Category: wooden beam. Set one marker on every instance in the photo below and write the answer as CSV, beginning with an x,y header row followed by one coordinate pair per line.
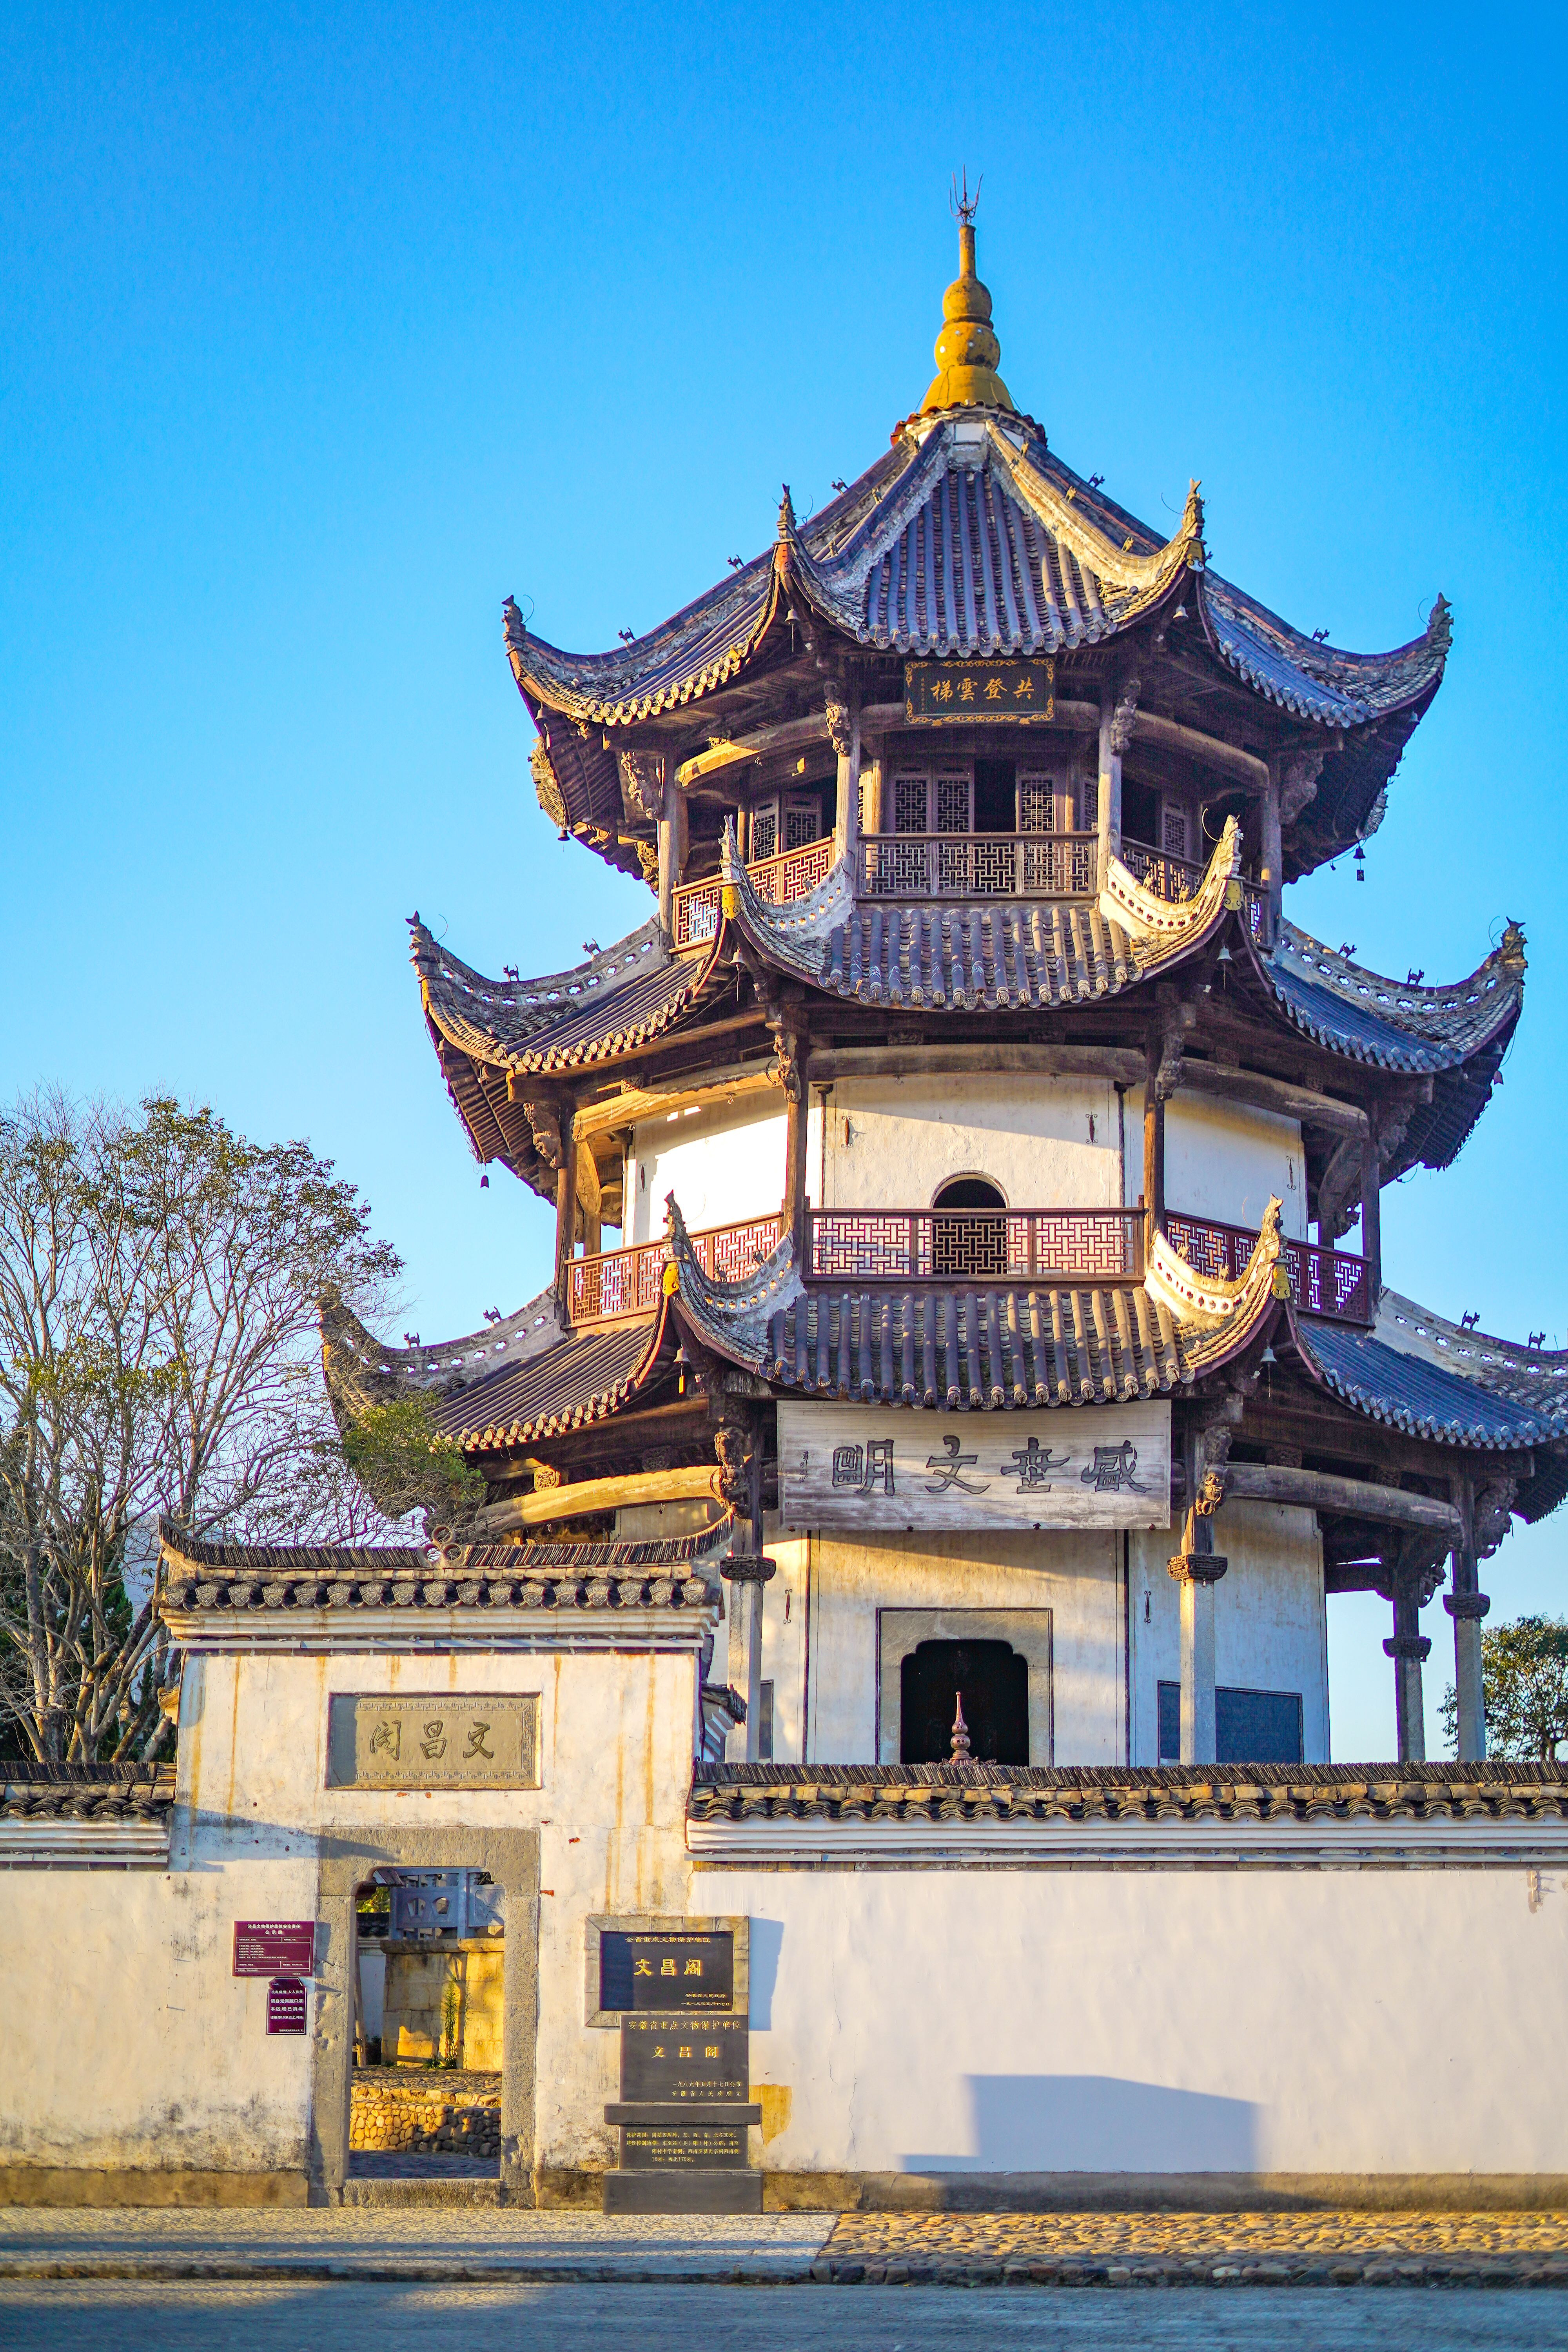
x,y
1315,1490
634,1104
1251,1087
565,1211
595,1494
1243,767
1115,1063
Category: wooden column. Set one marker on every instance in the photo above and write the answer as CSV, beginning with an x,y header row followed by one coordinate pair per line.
x,y
846,827
566,1209
1197,1568
1153,1153
1466,1605
745,1575
671,849
1109,814
1271,871
793,1045
1408,1648
1372,1210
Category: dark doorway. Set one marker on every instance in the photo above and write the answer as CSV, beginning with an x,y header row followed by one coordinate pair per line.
x,y
995,1683
969,1242
995,797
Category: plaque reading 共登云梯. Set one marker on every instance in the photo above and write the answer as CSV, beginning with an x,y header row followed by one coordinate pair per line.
x,y
697,2058
644,1967
436,1740
956,693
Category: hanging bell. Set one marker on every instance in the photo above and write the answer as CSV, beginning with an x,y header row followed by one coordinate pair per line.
x,y
1268,1357
1360,862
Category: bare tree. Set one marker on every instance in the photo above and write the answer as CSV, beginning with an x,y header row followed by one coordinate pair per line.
x,y
159,1286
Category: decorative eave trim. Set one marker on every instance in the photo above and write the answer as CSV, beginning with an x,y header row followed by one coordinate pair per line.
x,y
1164,931
496,1436
85,1845
1211,1303
371,1631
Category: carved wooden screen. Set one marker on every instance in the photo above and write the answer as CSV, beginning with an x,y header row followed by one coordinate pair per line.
x,y
764,840
801,820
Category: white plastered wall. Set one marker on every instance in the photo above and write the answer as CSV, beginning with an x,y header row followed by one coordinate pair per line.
x,y
1047,1142
1156,2021
154,2056
1077,1577
723,1165
1224,1161
1270,1624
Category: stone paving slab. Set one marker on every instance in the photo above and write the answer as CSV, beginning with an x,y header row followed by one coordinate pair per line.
x,y
421,2243
1167,2248
67,2316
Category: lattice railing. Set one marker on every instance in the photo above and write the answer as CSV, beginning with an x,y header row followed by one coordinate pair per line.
x,y
1323,1281
1169,877
779,880
976,1244
627,1281
977,864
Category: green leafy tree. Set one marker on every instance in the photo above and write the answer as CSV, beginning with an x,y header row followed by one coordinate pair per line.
x,y
1524,1684
159,1354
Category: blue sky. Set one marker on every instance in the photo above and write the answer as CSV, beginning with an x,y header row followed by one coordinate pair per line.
x,y
322,331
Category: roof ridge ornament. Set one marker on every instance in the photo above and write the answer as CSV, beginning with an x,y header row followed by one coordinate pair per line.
x,y
966,351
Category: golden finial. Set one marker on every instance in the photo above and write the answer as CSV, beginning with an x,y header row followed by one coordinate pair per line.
x,y
967,349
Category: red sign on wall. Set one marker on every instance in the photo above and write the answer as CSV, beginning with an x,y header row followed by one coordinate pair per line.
x,y
286,2006
274,1947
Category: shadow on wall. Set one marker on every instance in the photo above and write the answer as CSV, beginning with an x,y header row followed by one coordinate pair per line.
x,y
1098,2123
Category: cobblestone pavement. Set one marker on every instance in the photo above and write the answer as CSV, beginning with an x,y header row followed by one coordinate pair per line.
x,y
1338,2248
415,2242
115,2317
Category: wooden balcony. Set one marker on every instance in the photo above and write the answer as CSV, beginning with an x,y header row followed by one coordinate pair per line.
x,y
1049,1245
977,865
1328,1282
1056,1248
779,880
616,1283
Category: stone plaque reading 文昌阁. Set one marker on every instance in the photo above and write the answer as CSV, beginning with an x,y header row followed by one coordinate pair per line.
x,y
655,2146
685,2058
448,1739
950,694
862,1468
666,1969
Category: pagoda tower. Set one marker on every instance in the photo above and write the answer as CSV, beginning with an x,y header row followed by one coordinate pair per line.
x,y
950,1176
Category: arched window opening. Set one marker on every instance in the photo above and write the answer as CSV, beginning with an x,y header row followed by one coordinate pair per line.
x,y
993,1680
969,1230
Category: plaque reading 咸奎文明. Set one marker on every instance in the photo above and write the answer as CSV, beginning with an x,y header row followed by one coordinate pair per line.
x,y
695,2059
437,1739
954,693
865,1468
659,1968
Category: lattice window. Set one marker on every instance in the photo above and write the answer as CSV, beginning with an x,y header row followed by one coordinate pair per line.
x,y
969,1242
802,820
897,869
1083,864
1088,805
953,804
1036,804
1173,829
992,868
910,793
764,830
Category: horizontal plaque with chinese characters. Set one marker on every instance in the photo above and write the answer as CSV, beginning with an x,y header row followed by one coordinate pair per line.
x,y
952,693
274,1947
652,2146
700,2059
445,1739
653,1968
879,1472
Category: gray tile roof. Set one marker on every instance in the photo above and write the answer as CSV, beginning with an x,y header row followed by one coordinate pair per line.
x,y
1420,1373
1088,1794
